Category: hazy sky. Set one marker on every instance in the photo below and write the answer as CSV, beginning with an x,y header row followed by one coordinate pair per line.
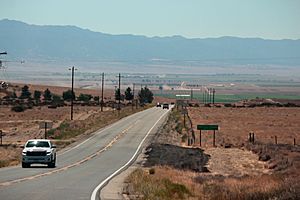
x,y
272,19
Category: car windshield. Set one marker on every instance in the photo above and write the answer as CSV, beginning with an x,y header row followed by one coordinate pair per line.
x,y
37,144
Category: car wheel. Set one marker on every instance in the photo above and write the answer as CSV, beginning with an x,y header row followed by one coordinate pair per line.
x,y
25,165
52,164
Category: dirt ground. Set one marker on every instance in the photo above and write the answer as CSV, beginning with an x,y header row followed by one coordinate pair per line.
x,y
234,162
168,149
108,93
19,127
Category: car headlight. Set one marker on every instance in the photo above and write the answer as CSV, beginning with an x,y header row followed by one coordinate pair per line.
x,y
23,153
49,152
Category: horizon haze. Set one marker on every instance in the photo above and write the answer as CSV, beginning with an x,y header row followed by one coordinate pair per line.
x,y
268,19
70,43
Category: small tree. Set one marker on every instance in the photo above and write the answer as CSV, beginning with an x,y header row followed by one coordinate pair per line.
x,y
118,94
13,95
25,94
145,95
97,98
47,95
128,94
56,98
18,108
85,97
56,101
37,95
67,95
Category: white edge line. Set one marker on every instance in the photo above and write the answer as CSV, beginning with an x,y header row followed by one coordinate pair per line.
x,y
97,133
95,191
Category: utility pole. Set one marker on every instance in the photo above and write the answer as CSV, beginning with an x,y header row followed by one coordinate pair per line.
x,y
214,91
207,99
202,94
209,95
119,106
132,95
102,88
206,95
73,96
72,99
133,84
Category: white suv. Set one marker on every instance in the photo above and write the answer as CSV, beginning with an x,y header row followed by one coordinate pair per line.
x,y
39,151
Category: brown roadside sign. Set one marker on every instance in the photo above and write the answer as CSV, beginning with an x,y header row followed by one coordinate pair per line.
x,y
184,112
47,125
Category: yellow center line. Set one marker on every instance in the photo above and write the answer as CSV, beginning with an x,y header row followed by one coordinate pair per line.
x,y
110,144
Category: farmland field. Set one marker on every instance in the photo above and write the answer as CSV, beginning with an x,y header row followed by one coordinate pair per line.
x,y
230,98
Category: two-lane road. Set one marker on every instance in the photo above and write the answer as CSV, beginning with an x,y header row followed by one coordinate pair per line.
x,y
84,168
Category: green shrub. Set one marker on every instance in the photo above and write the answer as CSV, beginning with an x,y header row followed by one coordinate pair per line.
x,y
18,108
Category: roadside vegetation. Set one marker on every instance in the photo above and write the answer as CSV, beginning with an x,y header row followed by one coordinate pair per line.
x,y
171,169
150,186
10,155
70,129
169,183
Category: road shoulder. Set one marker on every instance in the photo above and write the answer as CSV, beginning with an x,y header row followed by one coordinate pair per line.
x,y
113,190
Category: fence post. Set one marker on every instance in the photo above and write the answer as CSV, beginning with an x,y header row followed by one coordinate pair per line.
x,y
1,137
214,139
200,138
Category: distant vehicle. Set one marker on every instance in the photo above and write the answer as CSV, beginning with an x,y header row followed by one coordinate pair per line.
x,y
3,85
165,106
158,104
39,151
172,103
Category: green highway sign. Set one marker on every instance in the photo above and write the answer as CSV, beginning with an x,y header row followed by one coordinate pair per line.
x,y
207,127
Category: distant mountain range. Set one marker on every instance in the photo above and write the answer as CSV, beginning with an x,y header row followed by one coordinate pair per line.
x,y
67,43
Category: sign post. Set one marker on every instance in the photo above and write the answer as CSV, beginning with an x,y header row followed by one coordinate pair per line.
x,y
45,125
208,127
184,112
200,137
214,138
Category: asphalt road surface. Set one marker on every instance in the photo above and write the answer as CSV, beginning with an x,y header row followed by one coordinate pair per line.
x,y
82,169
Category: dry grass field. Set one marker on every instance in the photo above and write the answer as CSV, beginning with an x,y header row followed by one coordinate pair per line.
x,y
239,171
21,126
236,123
168,183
